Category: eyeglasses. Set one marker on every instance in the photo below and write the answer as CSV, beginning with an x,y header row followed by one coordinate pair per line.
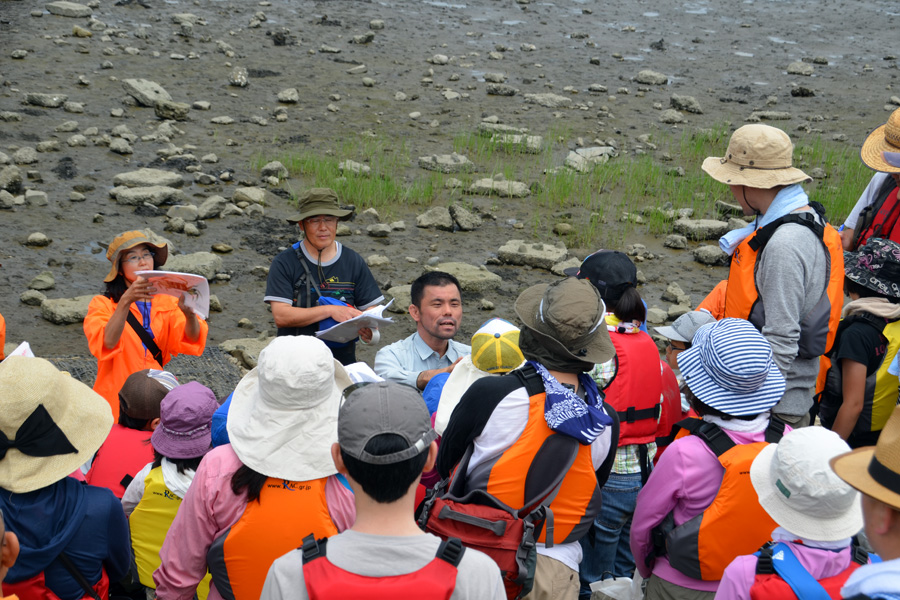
x,y
669,346
133,260
316,221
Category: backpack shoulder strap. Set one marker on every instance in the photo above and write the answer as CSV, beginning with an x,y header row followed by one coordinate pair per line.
x,y
530,379
764,560
716,439
312,548
803,584
451,551
775,430
805,218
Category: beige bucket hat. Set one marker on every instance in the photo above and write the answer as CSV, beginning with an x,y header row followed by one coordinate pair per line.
x,y
758,156
130,239
875,470
283,416
50,424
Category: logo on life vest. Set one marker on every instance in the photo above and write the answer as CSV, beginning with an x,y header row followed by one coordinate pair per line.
x,y
292,486
737,255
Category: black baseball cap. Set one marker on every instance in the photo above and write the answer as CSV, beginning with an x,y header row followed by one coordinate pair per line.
x,y
611,272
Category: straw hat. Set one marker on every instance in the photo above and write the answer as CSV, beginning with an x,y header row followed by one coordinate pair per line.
x,y
320,201
50,424
283,416
800,492
875,470
884,139
730,367
568,318
758,156
130,239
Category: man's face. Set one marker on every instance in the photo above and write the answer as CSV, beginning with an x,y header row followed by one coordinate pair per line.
x,y
439,312
739,192
320,230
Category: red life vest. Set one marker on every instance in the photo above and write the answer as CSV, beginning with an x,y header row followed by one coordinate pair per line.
x,y
434,581
879,219
124,453
671,410
636,389
769,585
240,558
35,588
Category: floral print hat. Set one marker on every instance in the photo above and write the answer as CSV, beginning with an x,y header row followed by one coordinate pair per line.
x,y
876,266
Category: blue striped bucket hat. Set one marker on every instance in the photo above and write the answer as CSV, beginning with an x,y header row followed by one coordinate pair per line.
x,y
730,367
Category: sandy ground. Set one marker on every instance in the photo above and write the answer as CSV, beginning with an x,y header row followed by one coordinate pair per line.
x,y
731,56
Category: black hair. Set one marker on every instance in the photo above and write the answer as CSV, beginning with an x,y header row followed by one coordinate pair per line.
x,y
131,422
862,291
385,483
704,409
183,464
629,306
431,278
115,288
246,478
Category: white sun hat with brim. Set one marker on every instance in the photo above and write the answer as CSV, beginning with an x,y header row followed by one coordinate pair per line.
x,y
758,156
50,424
283,416
801,492
730,367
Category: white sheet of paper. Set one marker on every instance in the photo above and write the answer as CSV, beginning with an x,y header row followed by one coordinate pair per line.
x,y
194,288
349,329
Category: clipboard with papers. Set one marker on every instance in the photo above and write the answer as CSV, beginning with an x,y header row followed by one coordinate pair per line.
x,y
349,330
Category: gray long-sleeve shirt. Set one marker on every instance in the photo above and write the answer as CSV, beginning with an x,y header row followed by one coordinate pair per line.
x,y
791,276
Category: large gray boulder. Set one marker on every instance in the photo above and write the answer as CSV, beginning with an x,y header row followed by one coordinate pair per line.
x,y
155,195
146,92
205,264
11,179
437,217
246,350
402,296
68,9
253,195
502,188
212,207
471,278
446,163
149,177
585,159
710,255
548,100
701,229
465,219
544,256
45,100
65,311
648,77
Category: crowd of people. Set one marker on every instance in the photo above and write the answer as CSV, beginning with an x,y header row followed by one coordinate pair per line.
x,y
759,458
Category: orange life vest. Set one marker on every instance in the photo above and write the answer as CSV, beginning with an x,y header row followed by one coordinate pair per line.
x,y
636,389
275,524
533,464
735,523
742,301
124,453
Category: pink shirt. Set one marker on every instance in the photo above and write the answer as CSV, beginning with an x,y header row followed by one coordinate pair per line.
x,y
684,482
741,573
209,508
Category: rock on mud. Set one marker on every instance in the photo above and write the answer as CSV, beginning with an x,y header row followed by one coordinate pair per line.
x,y
147,178
544,256
504,189
686,103
648,77
65,311
464,218
529,144
68,9
438,217
205,264
585,159
471,278
548,100
710,255
154,194
146,92
446,163
701,229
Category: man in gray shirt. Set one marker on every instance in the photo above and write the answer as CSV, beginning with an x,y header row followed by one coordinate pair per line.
x,y
787,267
385,443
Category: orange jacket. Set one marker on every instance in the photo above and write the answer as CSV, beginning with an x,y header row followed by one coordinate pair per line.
x,y
114,365
715,300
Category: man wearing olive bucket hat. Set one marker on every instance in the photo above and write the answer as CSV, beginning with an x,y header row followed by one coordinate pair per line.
x,y
877,210
514,431
318,282
875,471
787,267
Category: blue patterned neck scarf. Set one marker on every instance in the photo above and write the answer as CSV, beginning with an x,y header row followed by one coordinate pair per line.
x,y
145,308
568,414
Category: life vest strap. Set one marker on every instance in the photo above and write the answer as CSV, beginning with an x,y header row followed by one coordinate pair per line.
x,y
531,379
716,439
775,430
313,548
632,414
451,551
805,218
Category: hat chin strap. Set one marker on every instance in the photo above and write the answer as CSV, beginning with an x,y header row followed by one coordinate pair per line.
x,y
747,202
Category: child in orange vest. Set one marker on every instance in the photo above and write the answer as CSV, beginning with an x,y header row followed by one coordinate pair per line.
x,y
183,437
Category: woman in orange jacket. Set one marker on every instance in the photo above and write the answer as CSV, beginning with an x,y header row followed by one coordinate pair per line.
x,y
128,309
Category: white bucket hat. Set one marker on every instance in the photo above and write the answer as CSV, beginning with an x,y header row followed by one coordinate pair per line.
x,y
283,416
799,490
